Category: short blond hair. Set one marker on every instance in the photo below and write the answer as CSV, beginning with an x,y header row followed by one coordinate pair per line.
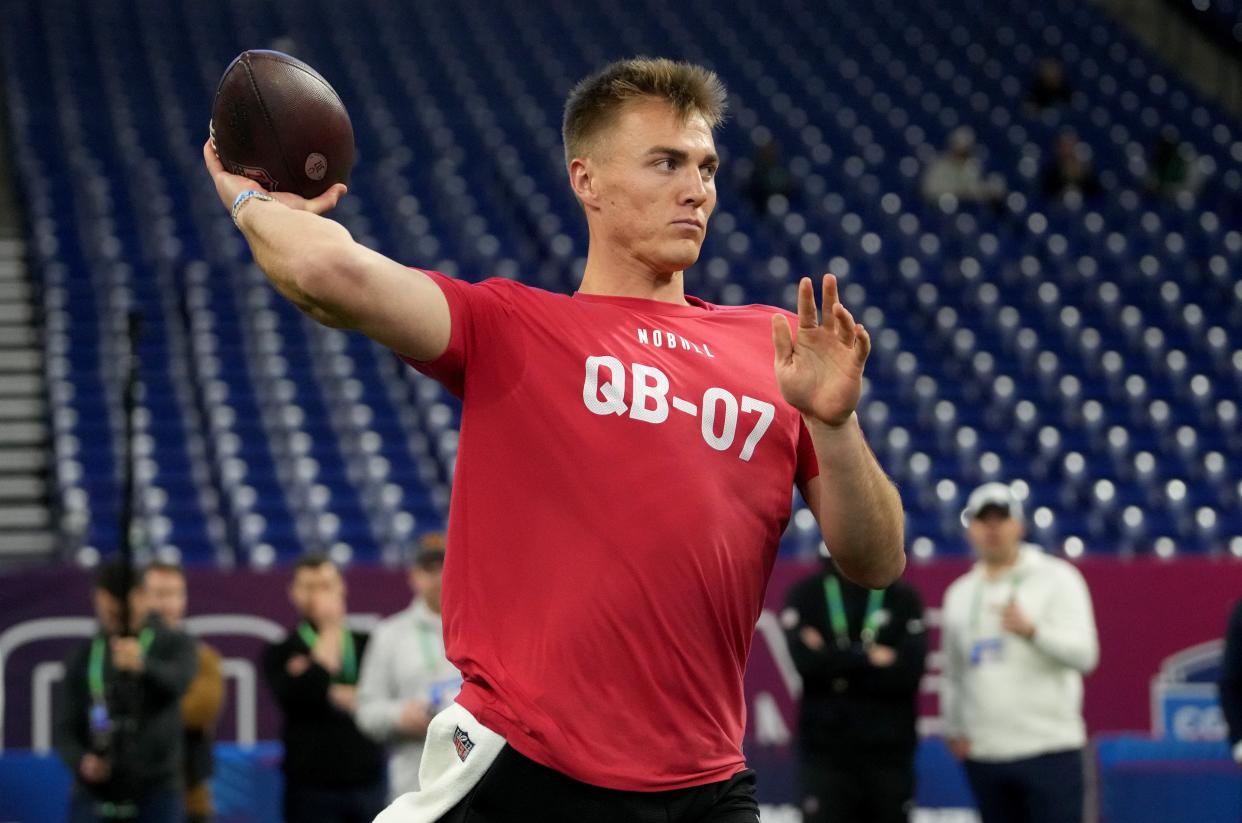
x,y
596,100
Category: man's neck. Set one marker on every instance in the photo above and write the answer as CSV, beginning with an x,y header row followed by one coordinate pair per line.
x,y
620,275
995,568
420,603
135,626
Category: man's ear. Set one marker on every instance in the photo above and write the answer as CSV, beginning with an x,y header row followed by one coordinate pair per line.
x,y
583,181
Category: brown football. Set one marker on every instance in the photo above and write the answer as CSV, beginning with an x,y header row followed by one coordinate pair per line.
x,y
278,122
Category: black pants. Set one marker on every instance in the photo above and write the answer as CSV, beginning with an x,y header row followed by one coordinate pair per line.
x,y
516,789
1043,789
857,791
313,804
158,806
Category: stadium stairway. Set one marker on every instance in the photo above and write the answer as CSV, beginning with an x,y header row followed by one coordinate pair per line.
x,y
26,524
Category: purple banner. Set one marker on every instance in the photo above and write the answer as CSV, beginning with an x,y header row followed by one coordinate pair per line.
x,y
44,613
1148,612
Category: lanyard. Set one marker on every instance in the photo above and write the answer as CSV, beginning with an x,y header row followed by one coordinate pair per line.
x,y
95,667
836,613
430,655
976,605
349,658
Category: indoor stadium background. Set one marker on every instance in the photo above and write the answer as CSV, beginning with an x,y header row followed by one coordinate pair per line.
x,y
1087,347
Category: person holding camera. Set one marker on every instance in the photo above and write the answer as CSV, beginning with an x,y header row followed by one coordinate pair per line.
x,y
118,716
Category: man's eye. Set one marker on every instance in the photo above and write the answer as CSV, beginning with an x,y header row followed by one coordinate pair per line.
x,y
666,164
709,171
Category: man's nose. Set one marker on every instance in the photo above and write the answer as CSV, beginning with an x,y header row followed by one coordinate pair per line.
x,y
696,190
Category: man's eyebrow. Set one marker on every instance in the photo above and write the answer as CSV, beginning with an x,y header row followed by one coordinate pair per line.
x,y
680,155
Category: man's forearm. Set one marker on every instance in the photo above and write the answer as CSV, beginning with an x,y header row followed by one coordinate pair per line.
x,y
296,250
859,509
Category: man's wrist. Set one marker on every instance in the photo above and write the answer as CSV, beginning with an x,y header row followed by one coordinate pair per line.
x,y
817,426
245,198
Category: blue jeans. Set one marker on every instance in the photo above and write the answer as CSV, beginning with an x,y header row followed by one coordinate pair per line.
x,y
159,806
1043,789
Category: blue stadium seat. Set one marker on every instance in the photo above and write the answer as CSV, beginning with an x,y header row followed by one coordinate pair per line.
x,y
1089,346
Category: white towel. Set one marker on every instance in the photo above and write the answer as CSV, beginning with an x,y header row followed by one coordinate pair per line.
x,y
457,753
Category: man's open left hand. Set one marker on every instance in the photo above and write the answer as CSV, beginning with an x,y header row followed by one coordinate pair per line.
x,y
820,371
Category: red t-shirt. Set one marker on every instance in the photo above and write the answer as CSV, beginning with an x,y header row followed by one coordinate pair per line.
x,y
624,476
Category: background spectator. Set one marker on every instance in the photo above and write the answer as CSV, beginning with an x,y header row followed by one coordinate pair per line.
x,y
861,654
1070,168
164,587
1049,89
1173,167
405,677
333,772
1018,634
957,172
769,176
118,726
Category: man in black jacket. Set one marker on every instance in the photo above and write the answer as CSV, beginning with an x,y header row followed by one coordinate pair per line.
x,y
333,772
861,654
1231,681
118,717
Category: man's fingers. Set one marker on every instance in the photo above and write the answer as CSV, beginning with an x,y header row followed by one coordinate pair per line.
x,y
319,205
831,320
863,347
845,324
830,293
328,200
807,318
782,338
209,156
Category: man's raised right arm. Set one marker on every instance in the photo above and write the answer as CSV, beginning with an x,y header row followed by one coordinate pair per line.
x,y
315,264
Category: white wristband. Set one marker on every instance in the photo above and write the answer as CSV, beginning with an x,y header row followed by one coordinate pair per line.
x,y
1237,752
245,197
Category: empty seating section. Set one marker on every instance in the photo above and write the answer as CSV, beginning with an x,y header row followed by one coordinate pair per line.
x,y
1219,20
1090,347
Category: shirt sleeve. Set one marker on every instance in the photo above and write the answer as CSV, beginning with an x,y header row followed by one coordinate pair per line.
x,y
1066,633
952,670
303,694
169,668
808,463
70,732
476,312
377,710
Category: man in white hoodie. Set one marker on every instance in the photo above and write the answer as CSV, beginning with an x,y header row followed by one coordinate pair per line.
x,y
1018,635
406,677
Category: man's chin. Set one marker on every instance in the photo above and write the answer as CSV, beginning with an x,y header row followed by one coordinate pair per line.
x,y
680,259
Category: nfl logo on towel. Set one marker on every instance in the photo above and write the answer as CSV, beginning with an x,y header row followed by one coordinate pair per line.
x,y
463,743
